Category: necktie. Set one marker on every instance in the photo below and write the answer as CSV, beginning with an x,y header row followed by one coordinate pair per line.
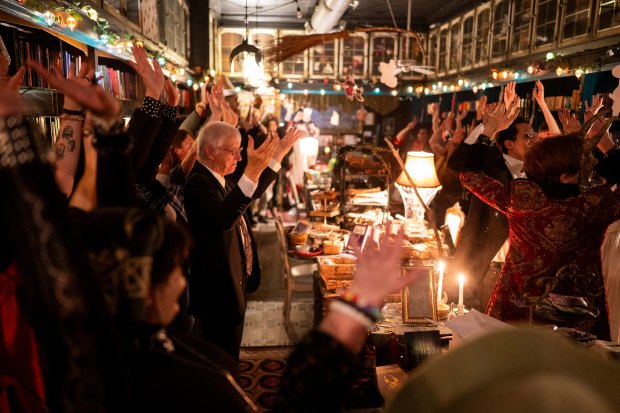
x,y
246,240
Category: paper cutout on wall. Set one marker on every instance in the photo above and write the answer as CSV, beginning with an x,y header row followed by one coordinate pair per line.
x,y
335,119
388,71
615,95
351,90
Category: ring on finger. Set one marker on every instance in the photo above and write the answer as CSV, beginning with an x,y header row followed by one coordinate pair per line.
x,y
87,132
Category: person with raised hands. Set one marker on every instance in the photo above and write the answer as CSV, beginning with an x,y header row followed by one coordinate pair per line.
x,y
224,261
553,225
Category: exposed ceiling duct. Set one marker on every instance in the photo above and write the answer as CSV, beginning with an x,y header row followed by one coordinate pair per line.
x,y
327,15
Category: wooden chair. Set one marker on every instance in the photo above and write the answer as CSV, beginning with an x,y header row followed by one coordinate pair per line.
x,y
298,278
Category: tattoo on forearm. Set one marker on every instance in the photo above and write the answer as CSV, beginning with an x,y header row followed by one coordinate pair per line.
x,y
60,151
67,134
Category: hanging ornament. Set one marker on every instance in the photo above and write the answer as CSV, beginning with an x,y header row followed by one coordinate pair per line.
x,y
351,90
71,23
244,46
104,39
49,18
388,73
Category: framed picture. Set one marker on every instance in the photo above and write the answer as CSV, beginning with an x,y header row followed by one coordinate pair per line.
x,y
418,298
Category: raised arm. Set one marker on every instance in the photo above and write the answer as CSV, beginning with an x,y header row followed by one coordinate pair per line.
x,y
539,95
69,141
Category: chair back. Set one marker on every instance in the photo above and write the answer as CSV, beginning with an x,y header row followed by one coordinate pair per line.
x,y
283,244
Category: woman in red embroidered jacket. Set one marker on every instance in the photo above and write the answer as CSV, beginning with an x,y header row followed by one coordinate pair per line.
x,y
553,223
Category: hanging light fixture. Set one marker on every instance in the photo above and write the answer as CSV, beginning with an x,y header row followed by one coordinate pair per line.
x,y
299,15
244,46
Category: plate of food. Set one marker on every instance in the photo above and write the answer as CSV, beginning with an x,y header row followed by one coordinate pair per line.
x,y
306,251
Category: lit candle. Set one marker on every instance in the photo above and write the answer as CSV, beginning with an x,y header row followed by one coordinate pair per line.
x,y
461,282
440,282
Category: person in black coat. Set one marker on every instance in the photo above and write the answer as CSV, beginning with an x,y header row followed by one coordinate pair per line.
x,y
224,261
485,229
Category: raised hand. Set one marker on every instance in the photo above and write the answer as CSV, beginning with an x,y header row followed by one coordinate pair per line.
x,y
496,117
89,96
229,115
591,110
152,77
509,92
480,105
538,93
286,143
378,271
10,101
84,77
569,121
258,158
171,92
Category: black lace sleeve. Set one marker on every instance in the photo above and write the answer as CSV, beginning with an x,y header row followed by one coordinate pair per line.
x,y
319,374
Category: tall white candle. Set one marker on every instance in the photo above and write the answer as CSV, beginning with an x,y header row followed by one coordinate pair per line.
x,y
440,282
461,282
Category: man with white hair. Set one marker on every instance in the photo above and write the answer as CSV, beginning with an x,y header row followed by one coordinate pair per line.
x,y
224,262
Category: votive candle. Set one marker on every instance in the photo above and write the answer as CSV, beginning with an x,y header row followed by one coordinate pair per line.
x,y
461,283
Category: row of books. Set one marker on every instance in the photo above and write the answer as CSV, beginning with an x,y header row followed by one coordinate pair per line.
x,y
123,85
45,55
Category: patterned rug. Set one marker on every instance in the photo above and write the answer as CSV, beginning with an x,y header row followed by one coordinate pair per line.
x,y
264,323
260,377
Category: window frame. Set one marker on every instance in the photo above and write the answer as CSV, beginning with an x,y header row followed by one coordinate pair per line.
x,y
401,53
280,70
364,73
513,27
336,62
503,57
459,42
444,27
604,32
553,43
578,39
484,60
471,14
223,31
270,32
431,50
371,48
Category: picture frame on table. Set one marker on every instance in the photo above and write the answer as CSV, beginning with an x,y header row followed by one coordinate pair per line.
x,y
358,237
419,304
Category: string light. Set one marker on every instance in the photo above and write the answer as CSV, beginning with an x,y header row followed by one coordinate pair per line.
x,y
530,69
71,23
578,73
299,15
290,85
305,92
505,74
49,18
409,89
461,82
559,71
550,56
394,93
494,75
195,87
337,87
322,92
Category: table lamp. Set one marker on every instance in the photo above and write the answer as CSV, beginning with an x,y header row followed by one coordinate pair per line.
x,y
421,168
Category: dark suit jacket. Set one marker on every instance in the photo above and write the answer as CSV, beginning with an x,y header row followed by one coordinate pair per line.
x,y
485,229
217,279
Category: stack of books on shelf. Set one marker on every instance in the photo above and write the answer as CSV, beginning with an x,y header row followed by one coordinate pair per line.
x,y
47,55
123,85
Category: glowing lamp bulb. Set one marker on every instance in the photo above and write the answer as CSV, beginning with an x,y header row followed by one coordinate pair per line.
x,y
49,18
71,23
578,73
530,69
550,56
409,89
195,87
559,71
322,92
504,74
494,75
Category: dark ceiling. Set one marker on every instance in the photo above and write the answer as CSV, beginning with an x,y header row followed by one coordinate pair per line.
x,y
282,13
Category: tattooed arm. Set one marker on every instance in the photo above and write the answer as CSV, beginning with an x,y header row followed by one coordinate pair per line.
x,y
69,141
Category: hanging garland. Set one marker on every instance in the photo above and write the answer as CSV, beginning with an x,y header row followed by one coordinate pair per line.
x,y
285,47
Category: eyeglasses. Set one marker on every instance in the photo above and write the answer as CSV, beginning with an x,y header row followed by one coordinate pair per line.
x,y
233,152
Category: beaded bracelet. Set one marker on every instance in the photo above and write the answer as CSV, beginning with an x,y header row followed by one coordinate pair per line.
x,y
354,313
353,300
